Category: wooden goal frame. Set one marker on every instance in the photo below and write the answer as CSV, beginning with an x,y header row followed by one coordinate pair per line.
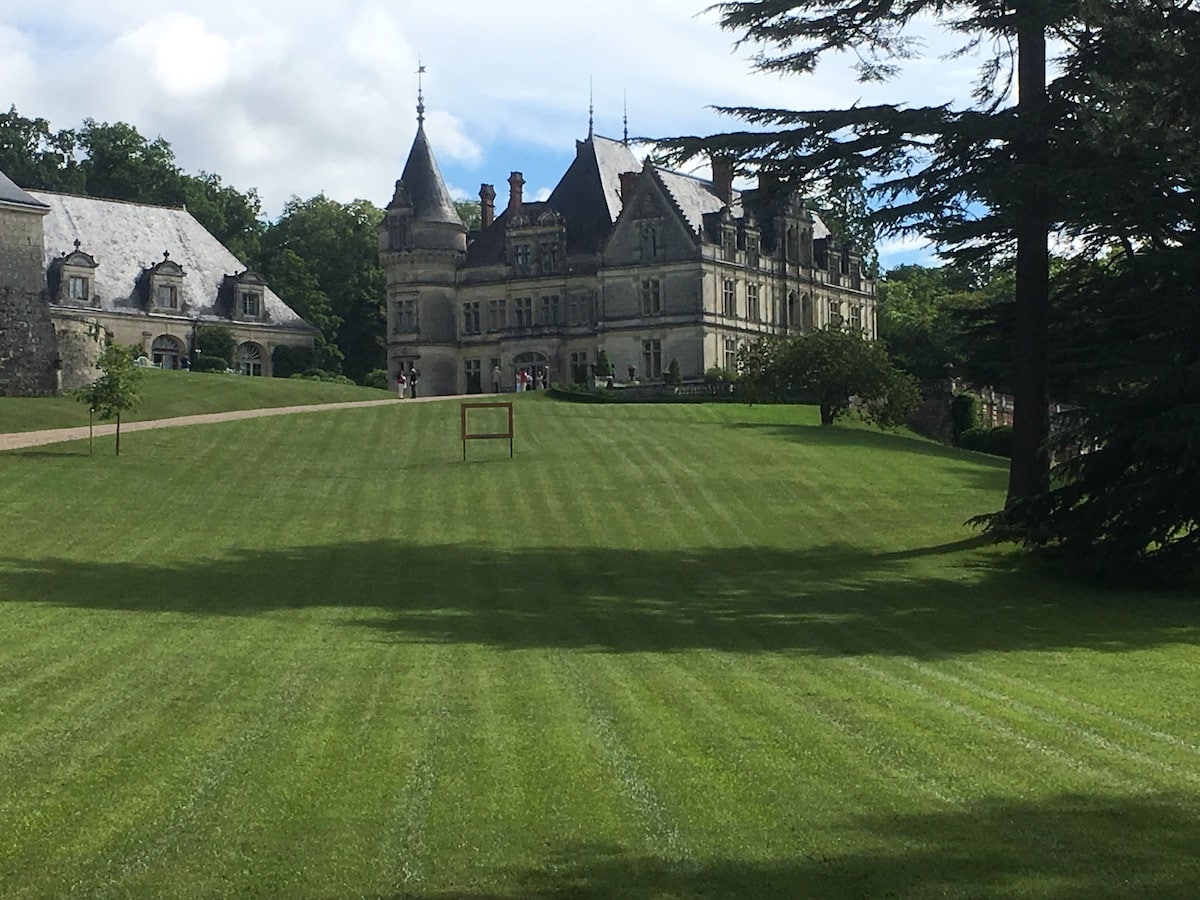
x,y
468,435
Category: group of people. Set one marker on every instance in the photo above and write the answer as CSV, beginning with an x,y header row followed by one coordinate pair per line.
x,y
406,382
539,380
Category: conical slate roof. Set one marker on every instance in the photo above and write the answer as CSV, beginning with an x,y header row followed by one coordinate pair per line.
x,y
423,183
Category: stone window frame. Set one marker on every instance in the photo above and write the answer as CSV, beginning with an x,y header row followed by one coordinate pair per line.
x,y
650,297
729,298
471,317
730,354
406,315
522,312
522,259
165,277
497,315
652,357
649,246
753,304
250,303
79,287
78,268
834,312
551,309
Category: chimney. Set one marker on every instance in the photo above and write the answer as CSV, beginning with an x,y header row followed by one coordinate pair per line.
x,y
515,183
722,178
628,183
487,205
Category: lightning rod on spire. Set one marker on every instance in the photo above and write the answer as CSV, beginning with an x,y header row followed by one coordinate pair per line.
x,y
420,93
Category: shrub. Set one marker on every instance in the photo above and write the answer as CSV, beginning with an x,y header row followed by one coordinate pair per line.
x,y
376,378
966,412
216,341
673,374
205,363
287,361
322,375
996,441
604,367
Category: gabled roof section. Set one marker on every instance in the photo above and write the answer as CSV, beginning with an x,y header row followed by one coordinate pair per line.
x,y
695,197
588,195
10,193
125,239
423,185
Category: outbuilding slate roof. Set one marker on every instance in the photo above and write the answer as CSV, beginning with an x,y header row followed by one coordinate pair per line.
x,y
127,238
10,193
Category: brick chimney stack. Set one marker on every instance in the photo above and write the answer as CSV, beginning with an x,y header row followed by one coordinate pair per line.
x,y
722,178
516,182
628,183
487,205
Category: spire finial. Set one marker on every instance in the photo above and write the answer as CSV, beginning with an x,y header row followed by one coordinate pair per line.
x,y
420,93
591,108
625,115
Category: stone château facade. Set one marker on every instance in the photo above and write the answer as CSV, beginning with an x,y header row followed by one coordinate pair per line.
x,y
148,276
643,263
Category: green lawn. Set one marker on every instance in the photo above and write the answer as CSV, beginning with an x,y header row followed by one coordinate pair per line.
x,y
169,394
665,652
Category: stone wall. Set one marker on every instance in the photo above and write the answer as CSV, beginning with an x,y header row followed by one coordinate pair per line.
x,y
21,263
80,342
28,345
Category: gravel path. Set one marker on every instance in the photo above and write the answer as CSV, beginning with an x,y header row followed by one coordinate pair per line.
x,y
56,435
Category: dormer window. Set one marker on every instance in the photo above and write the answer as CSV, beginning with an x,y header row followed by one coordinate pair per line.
x,y
521,259
72,278
548,258
77,287
245,297
251,304
165,285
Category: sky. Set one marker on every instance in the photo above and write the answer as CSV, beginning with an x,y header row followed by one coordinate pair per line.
x,y
299,98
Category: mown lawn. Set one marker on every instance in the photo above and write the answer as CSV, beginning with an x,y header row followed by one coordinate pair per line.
x,y
665,652
169,394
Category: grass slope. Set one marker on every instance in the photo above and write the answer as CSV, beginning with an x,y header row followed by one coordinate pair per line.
x,y
169,394
702,651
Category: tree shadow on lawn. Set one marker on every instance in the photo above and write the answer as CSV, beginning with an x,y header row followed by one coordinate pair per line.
x,y
989,470
1065,848
925,602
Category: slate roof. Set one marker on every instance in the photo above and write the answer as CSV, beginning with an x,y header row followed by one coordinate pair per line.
x,y
126,238
10,193
422,179
695,197
588,195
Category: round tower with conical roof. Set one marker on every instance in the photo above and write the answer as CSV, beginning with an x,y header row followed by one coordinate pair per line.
x,y
422,243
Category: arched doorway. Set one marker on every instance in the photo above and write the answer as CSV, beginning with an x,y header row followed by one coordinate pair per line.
x,y
532,362
250,359
166,351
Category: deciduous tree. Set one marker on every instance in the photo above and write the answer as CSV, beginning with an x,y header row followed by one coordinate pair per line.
x,y
118,388
836,368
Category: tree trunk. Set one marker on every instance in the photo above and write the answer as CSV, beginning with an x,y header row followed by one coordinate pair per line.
x,y
1029,472
118,434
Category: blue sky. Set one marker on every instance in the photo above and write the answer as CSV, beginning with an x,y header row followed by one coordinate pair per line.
x,y
300,98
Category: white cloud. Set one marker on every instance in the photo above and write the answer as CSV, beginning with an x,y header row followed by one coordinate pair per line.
x,y
311,97
179,53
